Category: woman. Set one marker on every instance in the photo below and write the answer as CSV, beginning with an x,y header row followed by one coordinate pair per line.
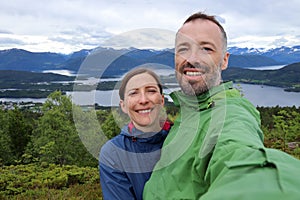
x,y
127,160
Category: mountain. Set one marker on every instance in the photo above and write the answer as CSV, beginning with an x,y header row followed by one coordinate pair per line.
x,y
283,55
249,61
18,59
115,62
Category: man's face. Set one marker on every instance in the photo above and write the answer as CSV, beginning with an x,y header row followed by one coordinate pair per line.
x,y
199,56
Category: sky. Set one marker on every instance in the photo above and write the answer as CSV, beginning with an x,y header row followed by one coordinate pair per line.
x,y
66,26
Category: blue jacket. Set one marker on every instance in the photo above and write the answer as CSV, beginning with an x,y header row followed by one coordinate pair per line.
x,y
126,162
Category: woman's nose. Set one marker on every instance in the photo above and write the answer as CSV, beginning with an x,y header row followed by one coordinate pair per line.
x,y
143,98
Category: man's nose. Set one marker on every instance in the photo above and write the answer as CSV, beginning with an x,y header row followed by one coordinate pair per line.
x,y
194,57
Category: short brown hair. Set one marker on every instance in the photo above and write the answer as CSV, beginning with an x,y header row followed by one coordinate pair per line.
x,y
212,18
133,73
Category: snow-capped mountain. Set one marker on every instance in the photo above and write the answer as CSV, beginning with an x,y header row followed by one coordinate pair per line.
x,y
18,59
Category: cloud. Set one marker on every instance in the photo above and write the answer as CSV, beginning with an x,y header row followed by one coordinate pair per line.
x,y
90,22
2,31
5,41
142,38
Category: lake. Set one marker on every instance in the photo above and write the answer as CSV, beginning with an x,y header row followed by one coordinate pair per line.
x,y
258,95
267,96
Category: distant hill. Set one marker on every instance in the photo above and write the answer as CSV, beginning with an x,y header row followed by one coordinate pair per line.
x,y
287,77
30,77
248,61
18,59
125,59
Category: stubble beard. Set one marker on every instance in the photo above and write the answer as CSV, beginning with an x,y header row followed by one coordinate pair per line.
x,y
208,80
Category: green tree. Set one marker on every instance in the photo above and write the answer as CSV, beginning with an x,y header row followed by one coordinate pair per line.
x,y
6,154
19,131
55,140
286,132
110,127
89,129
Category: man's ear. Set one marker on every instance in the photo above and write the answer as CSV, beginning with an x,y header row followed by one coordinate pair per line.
x,y
163,100
225,61
123,107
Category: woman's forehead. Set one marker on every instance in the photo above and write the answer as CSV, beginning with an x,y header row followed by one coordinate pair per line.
x,y
141,80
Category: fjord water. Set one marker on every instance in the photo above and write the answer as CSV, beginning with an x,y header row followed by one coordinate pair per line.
x,y
268,96
259,95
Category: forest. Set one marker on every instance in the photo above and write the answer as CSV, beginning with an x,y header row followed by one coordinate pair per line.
x,y
50,152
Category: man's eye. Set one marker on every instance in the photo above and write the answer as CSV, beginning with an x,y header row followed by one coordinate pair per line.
x,y
152,91
207,49
182,49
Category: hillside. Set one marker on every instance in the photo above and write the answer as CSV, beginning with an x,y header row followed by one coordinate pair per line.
x,y
16,84
287,77
9,76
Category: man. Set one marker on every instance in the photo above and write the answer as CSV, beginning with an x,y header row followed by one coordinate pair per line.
x,y
215,148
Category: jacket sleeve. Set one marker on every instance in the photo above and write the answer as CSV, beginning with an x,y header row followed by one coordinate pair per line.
x,y
114,183
242,168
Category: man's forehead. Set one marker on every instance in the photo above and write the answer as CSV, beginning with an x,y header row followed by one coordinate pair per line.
x,y
197,31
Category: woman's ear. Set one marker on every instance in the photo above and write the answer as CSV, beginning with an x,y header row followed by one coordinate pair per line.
x,y
123,106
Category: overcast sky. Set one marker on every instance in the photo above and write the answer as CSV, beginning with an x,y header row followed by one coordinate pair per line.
x,y
66,26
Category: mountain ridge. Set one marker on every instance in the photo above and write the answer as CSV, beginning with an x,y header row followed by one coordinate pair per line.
x,y
22,60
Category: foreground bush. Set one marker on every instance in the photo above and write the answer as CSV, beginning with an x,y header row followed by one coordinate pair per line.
x,y
49,182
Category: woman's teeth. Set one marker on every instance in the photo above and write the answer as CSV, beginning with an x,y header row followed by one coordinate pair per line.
x,y
144,111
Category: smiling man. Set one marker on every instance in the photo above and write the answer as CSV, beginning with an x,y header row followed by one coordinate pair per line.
x,y
215,148
200,55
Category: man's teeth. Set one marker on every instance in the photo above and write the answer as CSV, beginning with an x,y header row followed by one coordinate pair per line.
x,y
193,73
145,111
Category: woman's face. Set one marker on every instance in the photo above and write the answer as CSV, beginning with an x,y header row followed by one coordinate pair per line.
x,y
143,102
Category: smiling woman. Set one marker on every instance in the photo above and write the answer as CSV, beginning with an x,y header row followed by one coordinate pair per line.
x,y
126,161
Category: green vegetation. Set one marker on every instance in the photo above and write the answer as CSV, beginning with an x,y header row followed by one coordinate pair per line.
x,y
281,126
286,77
49,181
44,152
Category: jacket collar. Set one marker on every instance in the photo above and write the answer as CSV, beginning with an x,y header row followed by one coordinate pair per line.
x,y
202,101
130,131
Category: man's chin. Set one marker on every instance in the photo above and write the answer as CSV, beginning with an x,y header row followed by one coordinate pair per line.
x,y
193,89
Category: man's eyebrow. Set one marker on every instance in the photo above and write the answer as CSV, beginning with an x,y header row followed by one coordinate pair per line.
x,y
200,44
208,43
182,44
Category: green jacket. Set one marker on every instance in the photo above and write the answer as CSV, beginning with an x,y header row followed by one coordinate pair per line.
x,y
215,151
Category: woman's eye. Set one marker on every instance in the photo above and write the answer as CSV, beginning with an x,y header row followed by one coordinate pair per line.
x,y
132,93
